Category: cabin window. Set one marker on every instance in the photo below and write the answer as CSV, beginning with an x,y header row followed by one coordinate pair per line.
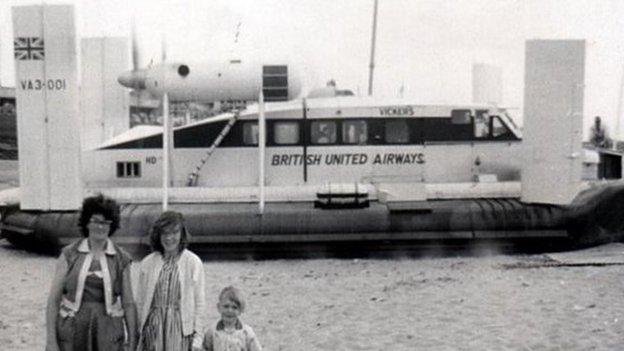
x,y
498,128
460,116
323,132
250,133
397,132
354,132
376,131
482,124
286,133
128,169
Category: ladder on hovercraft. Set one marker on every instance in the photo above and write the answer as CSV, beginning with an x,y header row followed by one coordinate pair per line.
x,y
194,176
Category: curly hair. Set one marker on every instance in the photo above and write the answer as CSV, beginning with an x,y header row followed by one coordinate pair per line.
x,y
102,205
169,219
234,295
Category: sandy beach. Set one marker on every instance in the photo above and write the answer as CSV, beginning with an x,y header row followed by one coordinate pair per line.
x,y
567,301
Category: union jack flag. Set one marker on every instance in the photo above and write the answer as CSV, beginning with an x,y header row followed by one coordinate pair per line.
x,y
29,48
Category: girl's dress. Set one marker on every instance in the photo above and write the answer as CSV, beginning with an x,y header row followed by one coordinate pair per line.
x,y
163,327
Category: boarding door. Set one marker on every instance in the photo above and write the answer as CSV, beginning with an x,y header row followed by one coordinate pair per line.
x,y
448,147
481,124
328,161
284,160
397,164
480,146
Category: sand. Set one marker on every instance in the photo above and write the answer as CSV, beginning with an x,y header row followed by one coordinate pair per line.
x,y
498,302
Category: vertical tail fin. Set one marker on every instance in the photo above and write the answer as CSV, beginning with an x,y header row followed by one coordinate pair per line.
x,y
46,96
104,104
553,120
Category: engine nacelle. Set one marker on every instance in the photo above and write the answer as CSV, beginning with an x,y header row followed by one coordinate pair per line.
x,y
207,82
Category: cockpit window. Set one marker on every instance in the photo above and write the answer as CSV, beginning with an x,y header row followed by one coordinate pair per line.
x,y
511,120
498,128
460,116
482,124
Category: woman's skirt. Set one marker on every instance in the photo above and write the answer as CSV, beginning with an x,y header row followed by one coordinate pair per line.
x,y
91,329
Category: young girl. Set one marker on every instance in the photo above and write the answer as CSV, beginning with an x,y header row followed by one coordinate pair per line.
x,y
230,333
171,290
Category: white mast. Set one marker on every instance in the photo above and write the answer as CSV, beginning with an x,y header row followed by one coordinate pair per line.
x,y
371,66
167,140
165,150
261,150
618,116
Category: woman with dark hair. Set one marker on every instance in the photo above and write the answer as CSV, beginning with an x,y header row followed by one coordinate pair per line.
x,y
171,290
91,292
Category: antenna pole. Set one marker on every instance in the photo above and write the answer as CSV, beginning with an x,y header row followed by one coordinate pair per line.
x,y
371,66
165,199
618,116
261,150
1,66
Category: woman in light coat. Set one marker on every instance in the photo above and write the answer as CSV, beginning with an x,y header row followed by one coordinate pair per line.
x,y
170,297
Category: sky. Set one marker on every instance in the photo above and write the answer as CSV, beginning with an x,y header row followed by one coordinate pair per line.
x,y
425,46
